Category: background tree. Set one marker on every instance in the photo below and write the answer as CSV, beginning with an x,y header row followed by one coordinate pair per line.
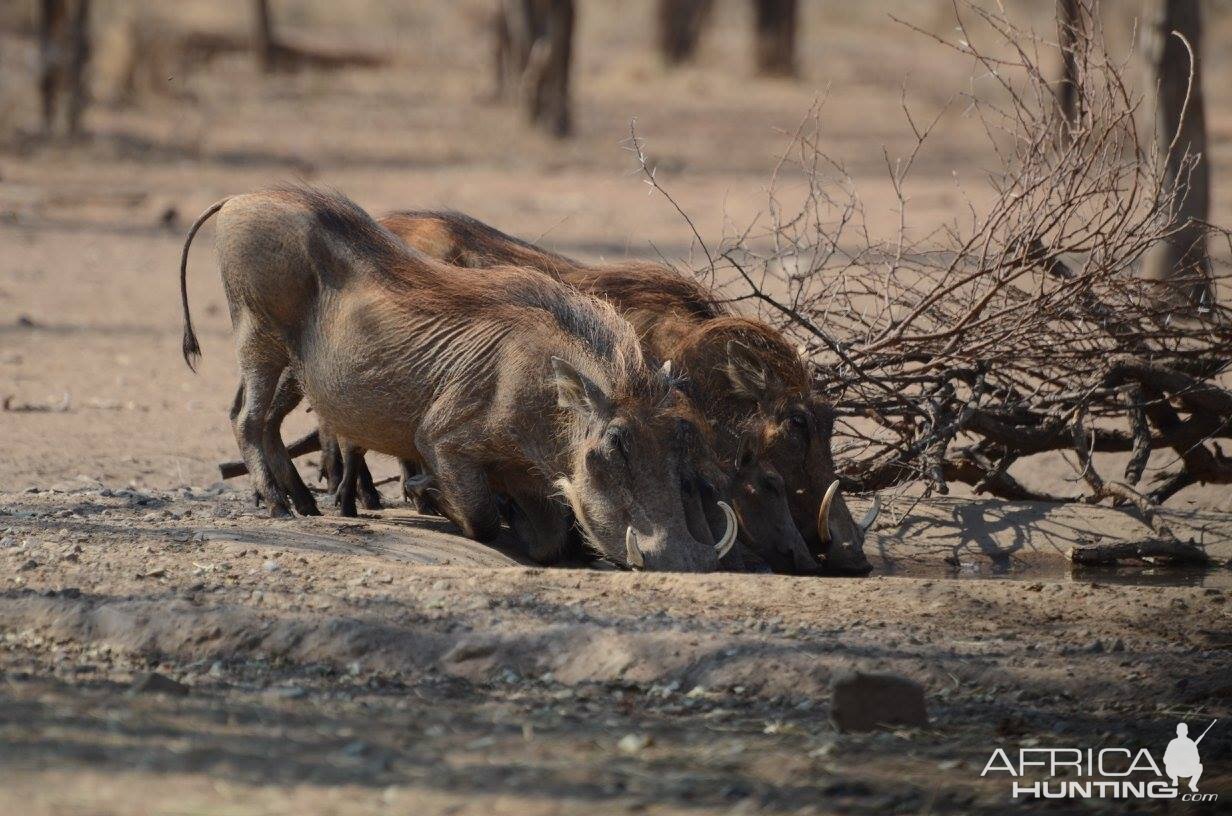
x,y
680,24
533,56
774,40
64,53
1070,27
263,43
1181,262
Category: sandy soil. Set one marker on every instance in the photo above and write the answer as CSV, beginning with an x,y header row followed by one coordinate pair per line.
x,y
385,664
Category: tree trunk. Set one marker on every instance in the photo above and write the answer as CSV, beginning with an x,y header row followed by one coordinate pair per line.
x,y
64,52
78,59
263,43
1071,30
680,24
775,37
1181,263
554,112
50,24
533,54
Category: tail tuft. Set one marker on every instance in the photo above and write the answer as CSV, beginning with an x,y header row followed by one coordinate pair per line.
x,y
192,349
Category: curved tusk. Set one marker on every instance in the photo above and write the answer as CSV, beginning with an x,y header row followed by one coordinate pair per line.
x,y
667,369
633,554
729,535
871,515
823,514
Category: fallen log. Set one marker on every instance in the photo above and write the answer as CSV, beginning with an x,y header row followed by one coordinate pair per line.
x,y
308,443
1170,552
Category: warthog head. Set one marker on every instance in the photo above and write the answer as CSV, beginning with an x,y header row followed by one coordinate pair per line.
x,y
631,453
792,431
767,525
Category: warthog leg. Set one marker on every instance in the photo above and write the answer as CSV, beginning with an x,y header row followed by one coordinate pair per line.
x,y
420,500
352,459
333,471
286,397
466,497
542,524
369,496
260,375
237,405
331,461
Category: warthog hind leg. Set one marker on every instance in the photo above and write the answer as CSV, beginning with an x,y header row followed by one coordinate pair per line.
x,y
352,460
254,400
331,461
286,397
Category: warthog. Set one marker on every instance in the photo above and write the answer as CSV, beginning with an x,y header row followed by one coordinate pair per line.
x,y
750,382
507,383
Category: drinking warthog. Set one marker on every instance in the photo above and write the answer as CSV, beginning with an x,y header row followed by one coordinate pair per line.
x,y
505,383
749,381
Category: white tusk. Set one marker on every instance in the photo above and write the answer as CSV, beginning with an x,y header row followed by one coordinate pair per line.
x,y
871,515
667,369
633,554
823,514
729,535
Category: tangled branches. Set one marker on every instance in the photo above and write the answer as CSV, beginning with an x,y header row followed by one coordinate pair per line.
x,y
1022,327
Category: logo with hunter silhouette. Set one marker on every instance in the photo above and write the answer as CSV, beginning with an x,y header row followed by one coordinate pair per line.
x,y
1181,758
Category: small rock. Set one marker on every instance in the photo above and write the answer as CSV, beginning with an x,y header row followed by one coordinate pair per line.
x,y
1095,647
863,701
155,683
289,693
28,565
1118,645
634,743
270,566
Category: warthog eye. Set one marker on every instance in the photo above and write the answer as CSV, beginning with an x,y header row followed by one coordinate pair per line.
x,y
616,440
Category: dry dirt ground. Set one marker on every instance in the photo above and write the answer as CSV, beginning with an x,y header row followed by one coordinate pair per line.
x,y
385,664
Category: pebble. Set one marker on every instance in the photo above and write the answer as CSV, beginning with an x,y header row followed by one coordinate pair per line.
x,y
634,743
271,566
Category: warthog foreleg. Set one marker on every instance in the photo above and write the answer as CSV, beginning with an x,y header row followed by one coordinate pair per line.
x,y
542,524
333,471
286,397
259,382
466,497
420,500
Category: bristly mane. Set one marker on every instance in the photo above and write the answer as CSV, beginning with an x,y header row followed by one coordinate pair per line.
x,y
629,284
427,284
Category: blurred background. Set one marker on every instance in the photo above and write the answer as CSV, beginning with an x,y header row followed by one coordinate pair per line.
x,y
149,112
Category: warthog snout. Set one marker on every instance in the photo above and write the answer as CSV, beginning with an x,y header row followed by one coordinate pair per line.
x,y
842,538
679,553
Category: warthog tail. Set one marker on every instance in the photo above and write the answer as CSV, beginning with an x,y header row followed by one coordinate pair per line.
x,y
192,349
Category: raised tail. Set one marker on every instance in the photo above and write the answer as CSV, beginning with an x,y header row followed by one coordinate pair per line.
x,y
192,349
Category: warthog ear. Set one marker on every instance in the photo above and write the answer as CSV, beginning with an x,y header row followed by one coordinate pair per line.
x,y
748,374
575,391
